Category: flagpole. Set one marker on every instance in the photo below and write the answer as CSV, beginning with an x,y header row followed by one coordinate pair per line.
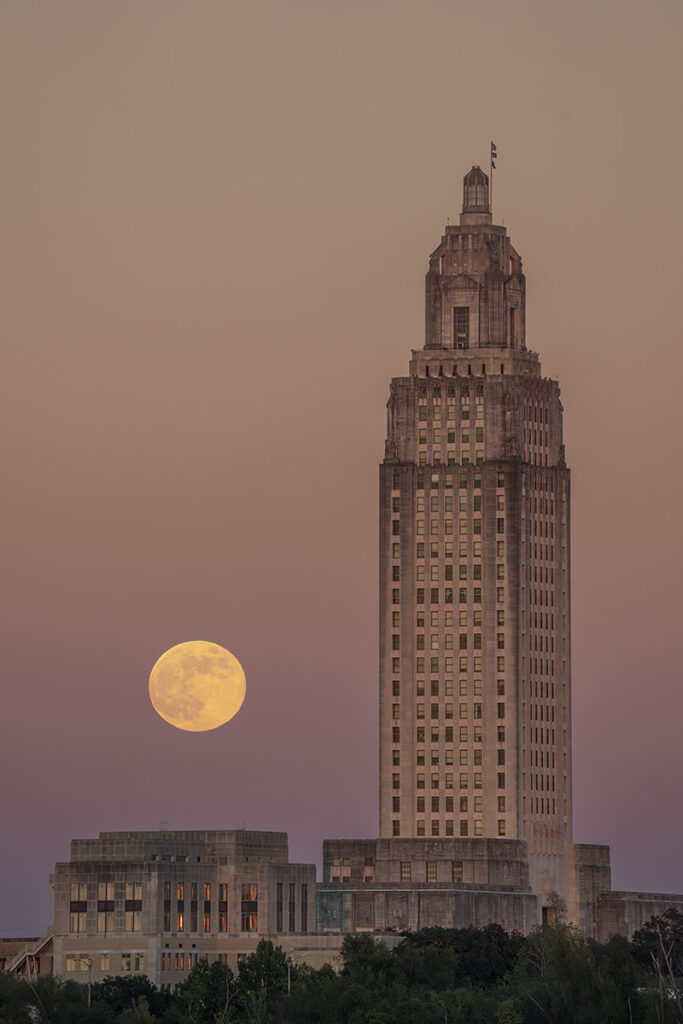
x,y
493,157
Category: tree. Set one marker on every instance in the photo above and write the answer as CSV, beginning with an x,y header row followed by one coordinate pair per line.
x,y
15,1000
138,1014
55,1001
665,931
660,942
206,994
123,993
557,981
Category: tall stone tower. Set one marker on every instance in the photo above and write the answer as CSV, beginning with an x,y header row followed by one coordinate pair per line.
x,y
475,696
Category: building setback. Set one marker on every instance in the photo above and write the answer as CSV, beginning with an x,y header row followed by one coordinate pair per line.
x,y
475,725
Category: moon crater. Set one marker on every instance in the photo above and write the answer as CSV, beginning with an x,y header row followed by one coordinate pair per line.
x,y
197,686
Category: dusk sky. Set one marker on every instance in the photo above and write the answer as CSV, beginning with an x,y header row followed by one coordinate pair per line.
x,y
216,222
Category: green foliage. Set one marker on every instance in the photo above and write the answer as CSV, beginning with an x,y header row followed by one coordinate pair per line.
x,y
138,1014
435,976
659,935
124,992
464,956
507,1014
204,997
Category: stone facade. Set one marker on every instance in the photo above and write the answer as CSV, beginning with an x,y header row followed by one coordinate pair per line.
x,y
623,913
475,691
387,885
154,903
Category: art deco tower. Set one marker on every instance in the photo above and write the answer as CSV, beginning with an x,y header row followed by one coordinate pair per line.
x,y
475,727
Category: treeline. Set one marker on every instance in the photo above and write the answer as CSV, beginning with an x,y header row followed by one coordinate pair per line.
x,y
435,976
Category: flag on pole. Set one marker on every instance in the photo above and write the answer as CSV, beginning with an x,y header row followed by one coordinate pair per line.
x,y
494,153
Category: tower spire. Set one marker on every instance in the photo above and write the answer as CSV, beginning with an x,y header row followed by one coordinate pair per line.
x,y
476,204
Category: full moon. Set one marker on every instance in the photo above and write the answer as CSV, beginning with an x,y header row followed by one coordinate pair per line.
x,y
197,686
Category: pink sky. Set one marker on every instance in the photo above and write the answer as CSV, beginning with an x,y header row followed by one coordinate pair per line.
x,y
216,223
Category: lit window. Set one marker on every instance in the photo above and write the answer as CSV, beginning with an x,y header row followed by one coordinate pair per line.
x,y
249,907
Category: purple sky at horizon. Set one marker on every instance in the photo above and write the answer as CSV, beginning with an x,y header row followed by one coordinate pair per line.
x,y
216,226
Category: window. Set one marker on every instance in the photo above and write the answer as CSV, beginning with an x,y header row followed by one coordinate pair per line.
x,y
461,327
292,907
431,870
249,907
405,870
278,906
304,907
223,907
456,871
105,906
501,827
125,963
464,828
105,961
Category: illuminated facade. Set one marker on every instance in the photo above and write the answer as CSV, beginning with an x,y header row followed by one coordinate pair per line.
x,y
475,724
